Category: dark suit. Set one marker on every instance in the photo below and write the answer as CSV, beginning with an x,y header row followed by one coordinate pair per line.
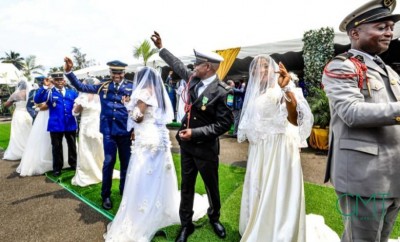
x,y
61,123
113,126
200,154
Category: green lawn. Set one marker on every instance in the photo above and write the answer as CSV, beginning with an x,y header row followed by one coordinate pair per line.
x,y
4,135
320,200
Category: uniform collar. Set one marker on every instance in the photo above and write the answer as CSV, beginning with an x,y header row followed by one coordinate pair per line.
x,y
207,81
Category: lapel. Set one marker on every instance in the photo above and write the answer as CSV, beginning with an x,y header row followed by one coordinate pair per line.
x,y
56,92
385,77
370,63
209,89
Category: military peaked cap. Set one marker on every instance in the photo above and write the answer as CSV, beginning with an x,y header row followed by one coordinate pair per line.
x,y
372,11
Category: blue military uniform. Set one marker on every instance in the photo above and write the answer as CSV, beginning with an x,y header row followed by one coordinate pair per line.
x,y
113,124
61,122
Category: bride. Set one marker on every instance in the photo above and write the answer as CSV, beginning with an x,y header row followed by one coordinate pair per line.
x,y
151,198
21,122
273,205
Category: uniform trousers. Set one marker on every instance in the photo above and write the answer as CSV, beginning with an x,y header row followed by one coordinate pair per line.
x,y
111,144
190,166
367,219
57,149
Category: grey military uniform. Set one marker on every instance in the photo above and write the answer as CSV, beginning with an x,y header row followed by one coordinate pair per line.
x,y
364,156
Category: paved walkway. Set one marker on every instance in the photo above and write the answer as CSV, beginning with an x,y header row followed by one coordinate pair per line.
x,y
36,209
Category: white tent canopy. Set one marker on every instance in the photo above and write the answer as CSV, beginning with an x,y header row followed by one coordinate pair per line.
x,y
269,48
9,74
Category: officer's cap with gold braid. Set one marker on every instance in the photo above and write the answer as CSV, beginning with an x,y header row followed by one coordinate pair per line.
x,y
116,66
207,56
373,11
57,75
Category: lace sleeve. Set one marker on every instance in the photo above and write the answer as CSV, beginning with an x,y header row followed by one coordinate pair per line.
x,y
305,119
82,99
146,97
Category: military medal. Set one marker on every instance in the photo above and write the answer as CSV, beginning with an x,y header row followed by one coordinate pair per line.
x,y
204,102
54,104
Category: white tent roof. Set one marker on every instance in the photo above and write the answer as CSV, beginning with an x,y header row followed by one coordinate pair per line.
x,y
278,47
9,74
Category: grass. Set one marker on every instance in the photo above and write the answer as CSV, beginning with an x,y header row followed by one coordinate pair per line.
x,y
320,200
5,129
230,198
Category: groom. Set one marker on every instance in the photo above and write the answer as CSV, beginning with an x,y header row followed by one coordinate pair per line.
x,y
207,117
113,122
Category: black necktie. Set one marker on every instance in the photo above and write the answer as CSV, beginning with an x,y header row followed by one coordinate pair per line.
x,y
116,86
380,63
200,84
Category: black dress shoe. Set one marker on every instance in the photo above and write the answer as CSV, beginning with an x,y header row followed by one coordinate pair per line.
x,y
184,233
107,204
56,173
219,229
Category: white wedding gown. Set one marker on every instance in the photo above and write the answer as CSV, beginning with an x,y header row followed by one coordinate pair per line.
x,y
37,158
151,197
90,146
273,204
21,124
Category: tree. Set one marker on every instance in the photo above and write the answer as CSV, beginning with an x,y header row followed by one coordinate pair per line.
x,y
31,67
144,51
14,58
56,69
80,59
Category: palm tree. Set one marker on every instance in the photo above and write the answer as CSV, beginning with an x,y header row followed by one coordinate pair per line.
x,y
145,51
14,58
80,58
31,67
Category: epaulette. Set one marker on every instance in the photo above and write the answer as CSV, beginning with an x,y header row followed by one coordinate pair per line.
x,y
104,85
344,56
224,85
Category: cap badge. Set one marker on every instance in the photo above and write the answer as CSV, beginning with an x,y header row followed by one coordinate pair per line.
x,y
388,3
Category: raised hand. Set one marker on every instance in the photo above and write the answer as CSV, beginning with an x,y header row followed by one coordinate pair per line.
x,y
68,64
48,82
156,38
284,76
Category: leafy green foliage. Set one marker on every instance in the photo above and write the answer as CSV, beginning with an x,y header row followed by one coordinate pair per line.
x,y
318,49
144,51
80,61
14,58
31,67
319,105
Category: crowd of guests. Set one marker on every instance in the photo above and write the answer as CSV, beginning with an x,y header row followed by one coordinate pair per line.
x,y
268,111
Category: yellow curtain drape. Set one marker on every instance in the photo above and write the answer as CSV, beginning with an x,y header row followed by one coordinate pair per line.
x,y
229,56
319,139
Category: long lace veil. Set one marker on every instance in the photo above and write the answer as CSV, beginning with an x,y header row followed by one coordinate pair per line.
x,y
262,76
150,89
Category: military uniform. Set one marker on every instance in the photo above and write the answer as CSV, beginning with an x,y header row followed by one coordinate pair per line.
x,y
209,117
61,122
113,126
364,145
